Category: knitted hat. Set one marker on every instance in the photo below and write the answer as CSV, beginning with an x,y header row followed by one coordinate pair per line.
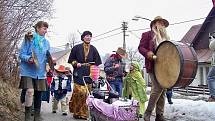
x,y
84,34
159,18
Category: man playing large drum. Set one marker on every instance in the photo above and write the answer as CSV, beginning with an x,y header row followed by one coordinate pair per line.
x,y
148,43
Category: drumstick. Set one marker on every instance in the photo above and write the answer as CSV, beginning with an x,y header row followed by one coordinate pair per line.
x,y
35,59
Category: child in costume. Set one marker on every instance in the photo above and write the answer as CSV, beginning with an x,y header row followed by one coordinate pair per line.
x,y
135,84
60,85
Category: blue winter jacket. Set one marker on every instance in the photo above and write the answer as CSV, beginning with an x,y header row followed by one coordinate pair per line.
x,y
39,45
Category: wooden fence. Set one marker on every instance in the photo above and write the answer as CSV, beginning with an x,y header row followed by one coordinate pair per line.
x,y
200,89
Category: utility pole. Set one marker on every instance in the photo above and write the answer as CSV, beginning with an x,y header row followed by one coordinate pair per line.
x,y
124,28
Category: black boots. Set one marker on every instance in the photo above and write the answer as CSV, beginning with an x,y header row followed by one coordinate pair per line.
x,y
146,116
170,101
28,116
159,118
37,115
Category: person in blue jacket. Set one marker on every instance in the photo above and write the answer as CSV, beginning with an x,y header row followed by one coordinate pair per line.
x,y
33,56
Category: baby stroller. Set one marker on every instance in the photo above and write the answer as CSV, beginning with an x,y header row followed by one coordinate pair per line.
x,y
100,110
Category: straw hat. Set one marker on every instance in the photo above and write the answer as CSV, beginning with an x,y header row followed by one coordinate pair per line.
x,y
60,68
159,18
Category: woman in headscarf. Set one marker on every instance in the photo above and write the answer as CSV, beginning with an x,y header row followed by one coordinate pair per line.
x,y
135,84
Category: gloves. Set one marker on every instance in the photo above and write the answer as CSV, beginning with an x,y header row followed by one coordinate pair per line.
x,y
31,60
29,36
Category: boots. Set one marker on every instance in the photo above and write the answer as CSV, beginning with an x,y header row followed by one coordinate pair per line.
x,y
37,116
28,114
147,116
159,118
170,101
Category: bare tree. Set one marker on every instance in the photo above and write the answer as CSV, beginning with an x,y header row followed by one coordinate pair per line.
x,y
134,55
17,17
72,39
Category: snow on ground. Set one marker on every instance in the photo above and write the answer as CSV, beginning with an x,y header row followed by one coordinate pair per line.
x,y
189,108
184,108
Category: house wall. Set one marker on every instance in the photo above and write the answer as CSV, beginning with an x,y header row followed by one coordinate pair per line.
x,y
63,60
201,75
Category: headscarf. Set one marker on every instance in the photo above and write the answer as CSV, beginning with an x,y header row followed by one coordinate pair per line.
x,y
135,81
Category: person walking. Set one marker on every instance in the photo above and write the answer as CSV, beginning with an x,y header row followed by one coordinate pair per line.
x,y
211,73
114,69
60,86
33,69
148,43
80,57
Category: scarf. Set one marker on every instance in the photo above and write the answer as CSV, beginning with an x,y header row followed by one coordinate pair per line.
x,y
38,42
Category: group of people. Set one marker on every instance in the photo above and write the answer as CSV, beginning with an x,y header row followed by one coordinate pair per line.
x,y
82,56
33,55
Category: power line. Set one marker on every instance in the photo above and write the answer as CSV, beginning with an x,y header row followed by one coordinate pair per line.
x,y
187,21
107,37
107,32
176,23
138,29
134,35
131,31
96,36
92,40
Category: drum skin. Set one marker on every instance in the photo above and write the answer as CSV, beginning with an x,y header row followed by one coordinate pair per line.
x,y
176,64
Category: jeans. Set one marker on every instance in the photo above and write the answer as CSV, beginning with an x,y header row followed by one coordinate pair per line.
x,y
169,94
117,86
211,81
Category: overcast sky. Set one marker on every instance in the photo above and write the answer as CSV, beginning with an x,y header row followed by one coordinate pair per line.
x,y
101,16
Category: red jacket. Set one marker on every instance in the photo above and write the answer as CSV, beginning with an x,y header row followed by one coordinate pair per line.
x,y
147,44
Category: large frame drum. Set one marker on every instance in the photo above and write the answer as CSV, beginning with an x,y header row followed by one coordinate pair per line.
x,y
176,64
